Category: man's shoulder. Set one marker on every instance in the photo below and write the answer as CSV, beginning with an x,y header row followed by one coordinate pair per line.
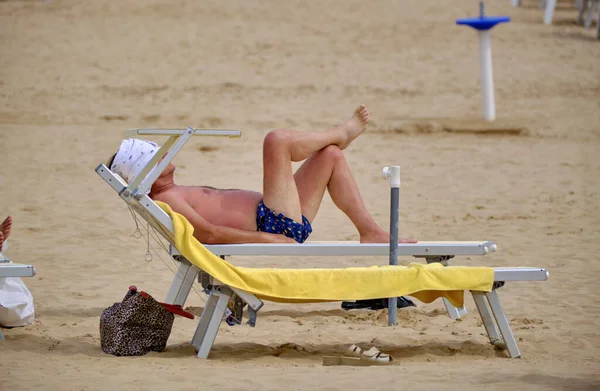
x,y
185,194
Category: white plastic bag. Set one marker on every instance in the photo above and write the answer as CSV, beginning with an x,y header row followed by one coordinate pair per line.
x,y
16,303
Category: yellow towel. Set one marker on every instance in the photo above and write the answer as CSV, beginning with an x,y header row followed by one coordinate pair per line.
x,y
426,282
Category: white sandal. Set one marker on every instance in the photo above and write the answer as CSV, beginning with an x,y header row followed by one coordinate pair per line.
x,y
355,350
375,355
356,357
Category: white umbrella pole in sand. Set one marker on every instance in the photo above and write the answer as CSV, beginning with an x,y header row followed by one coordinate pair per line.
x,y
483,24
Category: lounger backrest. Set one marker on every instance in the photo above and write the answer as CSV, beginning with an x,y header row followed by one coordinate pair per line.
x,y
145,207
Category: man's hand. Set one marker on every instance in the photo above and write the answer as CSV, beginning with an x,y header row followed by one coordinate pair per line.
x,y
278,238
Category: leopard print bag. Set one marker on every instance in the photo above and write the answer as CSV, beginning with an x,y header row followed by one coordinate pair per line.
x,y
137,325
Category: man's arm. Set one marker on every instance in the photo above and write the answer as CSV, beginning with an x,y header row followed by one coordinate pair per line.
x,y
209,233
228,235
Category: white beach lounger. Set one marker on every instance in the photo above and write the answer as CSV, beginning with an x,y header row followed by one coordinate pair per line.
x,y
10,269
547,5
587,9
134,194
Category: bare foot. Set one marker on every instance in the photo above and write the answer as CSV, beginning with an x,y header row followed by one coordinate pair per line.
x,y
354,126
383,237
5,227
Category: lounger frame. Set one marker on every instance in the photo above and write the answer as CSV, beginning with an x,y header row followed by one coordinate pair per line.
x,y
134,194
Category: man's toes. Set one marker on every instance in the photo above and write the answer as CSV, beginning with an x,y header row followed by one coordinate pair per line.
x,y
7,222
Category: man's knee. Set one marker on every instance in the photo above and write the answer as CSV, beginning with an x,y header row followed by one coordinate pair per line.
x,y
332,152
277,139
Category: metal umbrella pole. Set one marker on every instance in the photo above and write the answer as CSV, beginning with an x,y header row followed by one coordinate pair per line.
x,y
393,173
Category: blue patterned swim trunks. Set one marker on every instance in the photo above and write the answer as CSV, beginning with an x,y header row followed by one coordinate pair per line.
x,y
269,221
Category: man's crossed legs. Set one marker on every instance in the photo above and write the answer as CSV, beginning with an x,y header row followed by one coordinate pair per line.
x,y
298,196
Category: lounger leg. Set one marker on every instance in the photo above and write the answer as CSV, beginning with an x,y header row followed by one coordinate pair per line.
x,y
549,11
589,16
209,323
486,317
503,325
598,24
182,283
453,312
581,6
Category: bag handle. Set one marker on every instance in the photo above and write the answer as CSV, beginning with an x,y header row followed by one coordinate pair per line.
x,y
176,309
172,308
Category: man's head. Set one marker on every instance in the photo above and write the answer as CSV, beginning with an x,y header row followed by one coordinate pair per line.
x,y
132,156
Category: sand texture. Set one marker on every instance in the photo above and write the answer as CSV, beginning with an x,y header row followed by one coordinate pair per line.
x,y
74,75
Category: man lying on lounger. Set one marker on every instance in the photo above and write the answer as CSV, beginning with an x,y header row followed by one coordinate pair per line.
x,y
284,211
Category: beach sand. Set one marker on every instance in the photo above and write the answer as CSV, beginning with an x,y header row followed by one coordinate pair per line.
x,y
74,75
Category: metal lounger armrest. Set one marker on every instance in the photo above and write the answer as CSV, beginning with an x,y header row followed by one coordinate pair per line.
x,y
16,270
